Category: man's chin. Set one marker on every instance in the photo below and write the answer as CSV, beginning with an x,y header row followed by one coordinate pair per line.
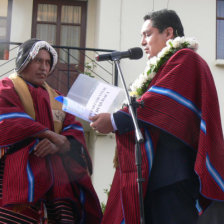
x,y
39,83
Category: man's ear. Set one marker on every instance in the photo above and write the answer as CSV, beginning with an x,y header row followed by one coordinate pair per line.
x,y
169,33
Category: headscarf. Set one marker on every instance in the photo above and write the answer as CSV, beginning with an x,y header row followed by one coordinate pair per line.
x,y
29,50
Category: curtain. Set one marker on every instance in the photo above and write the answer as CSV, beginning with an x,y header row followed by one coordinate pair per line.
x,y
47,13
71,14
70,29
3,8
70,34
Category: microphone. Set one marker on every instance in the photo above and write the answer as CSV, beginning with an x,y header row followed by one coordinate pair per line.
x,y
132,53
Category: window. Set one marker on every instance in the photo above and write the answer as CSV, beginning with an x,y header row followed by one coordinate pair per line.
x,y
5,24
61,23
220,30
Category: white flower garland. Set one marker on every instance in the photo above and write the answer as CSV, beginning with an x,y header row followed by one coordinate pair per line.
x,y
141,84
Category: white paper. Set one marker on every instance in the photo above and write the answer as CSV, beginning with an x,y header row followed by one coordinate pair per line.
x,y
102,99
84,103
75,108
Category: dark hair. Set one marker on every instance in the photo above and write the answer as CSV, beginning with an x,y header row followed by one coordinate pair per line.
x,y
166,18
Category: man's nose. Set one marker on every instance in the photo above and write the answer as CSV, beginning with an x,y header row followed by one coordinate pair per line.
x,y
143,41
44,66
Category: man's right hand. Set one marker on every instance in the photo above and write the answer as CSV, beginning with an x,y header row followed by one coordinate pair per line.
x,y
102,123
51,143
45,147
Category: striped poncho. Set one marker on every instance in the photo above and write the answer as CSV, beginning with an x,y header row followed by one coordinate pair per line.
x,y
181,100
27,178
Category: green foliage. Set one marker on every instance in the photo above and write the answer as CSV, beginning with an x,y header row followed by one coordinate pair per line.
x,y
89,67
103,205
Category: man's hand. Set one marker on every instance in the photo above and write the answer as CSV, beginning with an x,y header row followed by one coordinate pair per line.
x,y
102,123
51,143
45,147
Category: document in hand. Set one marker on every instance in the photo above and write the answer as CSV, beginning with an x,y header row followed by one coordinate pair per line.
x,y
89,96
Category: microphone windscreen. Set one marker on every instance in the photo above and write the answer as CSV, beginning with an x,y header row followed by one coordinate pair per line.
x,y
135,53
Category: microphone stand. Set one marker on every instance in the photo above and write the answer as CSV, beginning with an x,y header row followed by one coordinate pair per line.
x,y
133,105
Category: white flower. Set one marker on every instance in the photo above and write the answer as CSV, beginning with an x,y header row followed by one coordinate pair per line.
x,y
193,43
164,51
153,61
176,42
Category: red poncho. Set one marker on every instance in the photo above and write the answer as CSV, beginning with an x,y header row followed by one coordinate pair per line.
x,y
181,100
28,178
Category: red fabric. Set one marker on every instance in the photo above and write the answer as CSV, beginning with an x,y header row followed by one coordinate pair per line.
x,y
48,173
187,76
10,103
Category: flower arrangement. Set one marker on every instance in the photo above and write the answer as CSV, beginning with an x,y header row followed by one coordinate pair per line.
x,y
141,84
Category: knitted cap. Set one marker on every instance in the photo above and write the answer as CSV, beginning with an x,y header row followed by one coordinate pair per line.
x,y
29,50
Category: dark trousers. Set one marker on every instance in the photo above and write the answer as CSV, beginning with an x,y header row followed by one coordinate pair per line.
x,y
173,204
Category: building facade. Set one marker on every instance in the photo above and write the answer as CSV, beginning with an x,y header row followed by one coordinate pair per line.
x,y
107,24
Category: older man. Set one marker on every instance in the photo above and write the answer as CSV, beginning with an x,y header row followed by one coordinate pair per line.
x,y
44,160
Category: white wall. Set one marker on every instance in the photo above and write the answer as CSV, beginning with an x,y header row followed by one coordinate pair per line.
x,y
91,24
21,23
199,20
20,28
103,164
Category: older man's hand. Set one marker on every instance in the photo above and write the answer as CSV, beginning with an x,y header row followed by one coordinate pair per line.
x,y
102,123
51,143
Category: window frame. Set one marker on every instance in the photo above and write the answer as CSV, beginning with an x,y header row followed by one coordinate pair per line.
x,y
8,29
218,18
59,3
64,73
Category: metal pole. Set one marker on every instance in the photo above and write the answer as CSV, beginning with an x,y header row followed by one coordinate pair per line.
x,y
132,105
115,76
68,69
